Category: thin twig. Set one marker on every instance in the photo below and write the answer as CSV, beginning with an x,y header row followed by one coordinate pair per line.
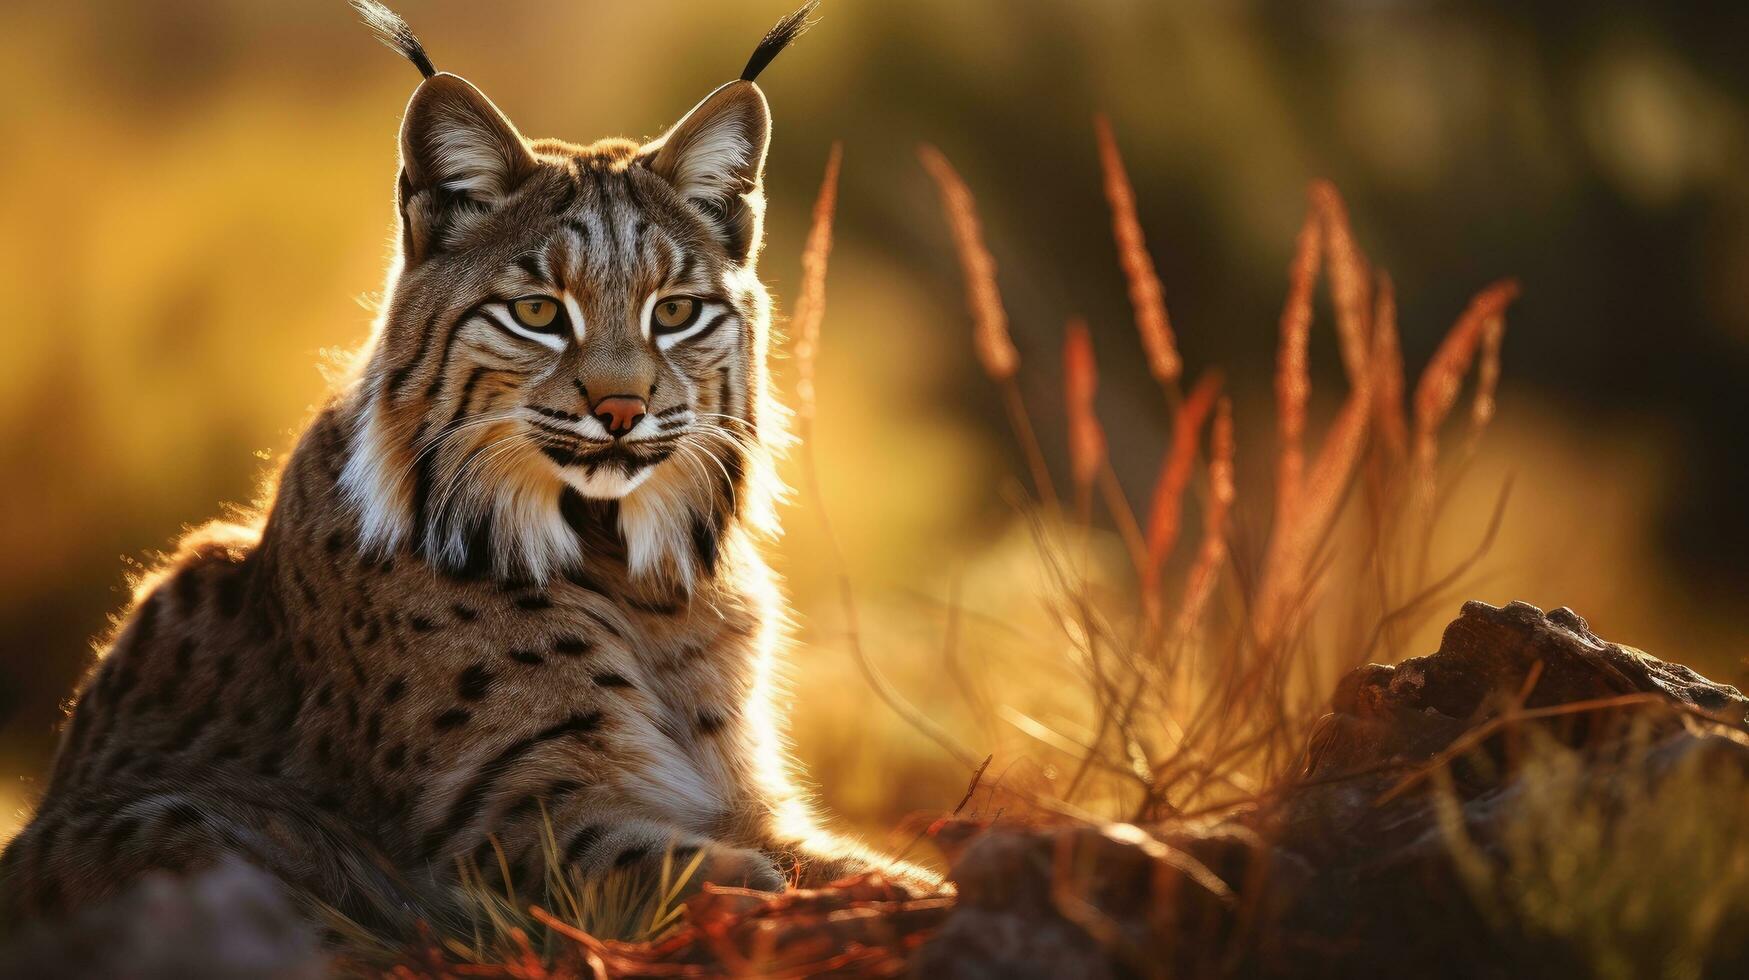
x,y
972,787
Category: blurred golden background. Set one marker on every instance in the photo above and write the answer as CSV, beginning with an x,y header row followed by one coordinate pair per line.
x,y
196,205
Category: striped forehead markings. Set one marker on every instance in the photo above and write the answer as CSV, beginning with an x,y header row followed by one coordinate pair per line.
x,y
604,209
535,265
581,246
572,248
568,194
633,195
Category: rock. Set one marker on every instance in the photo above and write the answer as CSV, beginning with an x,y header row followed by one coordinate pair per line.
x,y
1413,710
1084,901
1346,870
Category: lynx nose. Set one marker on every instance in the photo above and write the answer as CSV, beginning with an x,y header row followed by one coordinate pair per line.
x,y
618,413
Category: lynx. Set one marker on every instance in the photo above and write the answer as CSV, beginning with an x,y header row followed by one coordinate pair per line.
x,y
508,581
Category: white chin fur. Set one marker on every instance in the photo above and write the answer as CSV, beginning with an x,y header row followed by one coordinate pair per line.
x,y
605,484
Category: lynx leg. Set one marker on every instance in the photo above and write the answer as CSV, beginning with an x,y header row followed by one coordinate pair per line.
x,y
641,847
88,847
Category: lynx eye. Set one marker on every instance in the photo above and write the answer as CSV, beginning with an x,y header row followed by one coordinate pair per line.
x,y
673,314
539,313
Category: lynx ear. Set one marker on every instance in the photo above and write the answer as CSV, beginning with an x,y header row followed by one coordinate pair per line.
x,y
715,160
457,151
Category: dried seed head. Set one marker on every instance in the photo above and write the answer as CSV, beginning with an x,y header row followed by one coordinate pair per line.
x,y
1350,280
1294,542
811,303
1080,386
1211,553
1441,380
1387,359
1293,379
994,347
1487,378
1147,297
1167,505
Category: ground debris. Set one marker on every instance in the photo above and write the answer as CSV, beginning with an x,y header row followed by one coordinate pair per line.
x,y
865,926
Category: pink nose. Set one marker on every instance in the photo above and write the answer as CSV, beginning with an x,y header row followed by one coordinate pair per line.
x,y
618,413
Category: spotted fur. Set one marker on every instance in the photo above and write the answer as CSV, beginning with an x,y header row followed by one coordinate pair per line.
x,y
467,608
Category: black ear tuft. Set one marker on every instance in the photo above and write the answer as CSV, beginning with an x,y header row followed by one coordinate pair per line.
x,y
776,39
394,32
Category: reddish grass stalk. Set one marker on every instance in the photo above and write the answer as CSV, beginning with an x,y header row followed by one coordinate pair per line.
x,y
1294,543
1166,508
990,339
995,348
1147,296
1124,517
1087,450
1021,422
1293,379
1337,459
1437,391
1387,355
1487,380
811,303
1350,281
1211,554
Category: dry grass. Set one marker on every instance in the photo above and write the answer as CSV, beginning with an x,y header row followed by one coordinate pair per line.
x,y
1191,705
1175,473
1087,450
504,926
1638,873
1211,553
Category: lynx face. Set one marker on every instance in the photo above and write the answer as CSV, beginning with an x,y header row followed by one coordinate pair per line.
x,y
568,324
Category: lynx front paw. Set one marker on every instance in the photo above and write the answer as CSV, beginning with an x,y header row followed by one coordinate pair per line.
x,y
735,867
662,854
824,861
